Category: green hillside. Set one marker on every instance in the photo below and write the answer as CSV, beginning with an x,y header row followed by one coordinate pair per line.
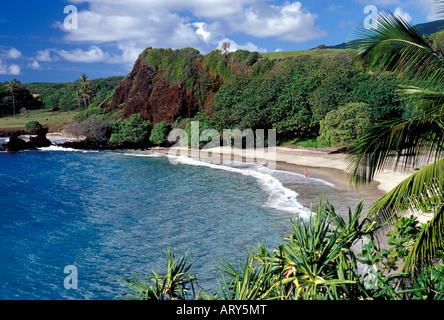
x,y
328,53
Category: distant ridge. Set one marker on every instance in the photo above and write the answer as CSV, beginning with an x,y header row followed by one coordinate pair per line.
x,y
423,28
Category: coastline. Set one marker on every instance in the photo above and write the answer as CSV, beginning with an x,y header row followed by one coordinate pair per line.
x,y
327,164
324,164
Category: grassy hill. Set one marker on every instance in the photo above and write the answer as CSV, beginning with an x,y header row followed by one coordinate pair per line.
x,y
328,53
53,120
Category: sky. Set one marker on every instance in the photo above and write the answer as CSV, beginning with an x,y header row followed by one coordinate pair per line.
x,y
58,40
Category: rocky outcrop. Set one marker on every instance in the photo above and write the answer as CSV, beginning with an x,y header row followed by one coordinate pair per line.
x,y
161,91
15,143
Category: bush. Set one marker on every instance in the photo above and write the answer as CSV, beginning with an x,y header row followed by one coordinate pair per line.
x,y
33,127
344,125
159,132
133,129
95,128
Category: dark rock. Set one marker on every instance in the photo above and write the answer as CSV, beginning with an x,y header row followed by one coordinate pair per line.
x,y
40,141
5,134
104,145
17,144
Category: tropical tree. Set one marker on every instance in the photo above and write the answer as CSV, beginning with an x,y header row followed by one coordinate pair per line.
x,y
415,141
86,91
13,86
77,97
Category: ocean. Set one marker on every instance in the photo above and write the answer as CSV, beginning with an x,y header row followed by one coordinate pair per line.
x,y
112,214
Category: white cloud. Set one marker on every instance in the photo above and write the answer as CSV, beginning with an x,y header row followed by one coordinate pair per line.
x,y
403,15
6,69
429,7
235,46
289,22
201,24
11,53
44,56
35,65
94,54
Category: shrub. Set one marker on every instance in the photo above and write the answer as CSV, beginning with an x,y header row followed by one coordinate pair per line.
x,y
33,127
344,125
133,129
159,132
95,128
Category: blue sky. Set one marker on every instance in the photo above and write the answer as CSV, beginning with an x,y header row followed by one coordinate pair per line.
x,y
39,42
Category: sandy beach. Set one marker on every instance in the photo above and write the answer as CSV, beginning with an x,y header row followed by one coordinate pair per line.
x,y
321,163
325,164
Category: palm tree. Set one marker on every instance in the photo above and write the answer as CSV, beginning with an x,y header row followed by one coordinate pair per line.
x,y
78,98
86,90
12,86
414,141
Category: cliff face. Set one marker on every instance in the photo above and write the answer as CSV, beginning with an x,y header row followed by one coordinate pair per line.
x,y
154,89
168,84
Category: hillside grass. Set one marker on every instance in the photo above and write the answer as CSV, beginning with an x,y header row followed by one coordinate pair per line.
x,y
330,53
53,120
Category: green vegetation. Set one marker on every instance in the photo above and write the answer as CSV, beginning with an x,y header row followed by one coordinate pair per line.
x,y
159,132
76,95
53,120
344,125
133,129
330,53
33,127
415,141
318,261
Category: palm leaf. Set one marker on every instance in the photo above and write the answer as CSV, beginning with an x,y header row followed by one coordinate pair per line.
x,y
396,46
416,192
405,142
429,244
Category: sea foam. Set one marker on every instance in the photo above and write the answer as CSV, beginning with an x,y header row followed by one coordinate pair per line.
x,y
279,197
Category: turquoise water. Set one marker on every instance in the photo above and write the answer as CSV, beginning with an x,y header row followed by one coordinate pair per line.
x,y
113,214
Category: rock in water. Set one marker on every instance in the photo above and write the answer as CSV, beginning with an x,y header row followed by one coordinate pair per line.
x,y
40,141
17,144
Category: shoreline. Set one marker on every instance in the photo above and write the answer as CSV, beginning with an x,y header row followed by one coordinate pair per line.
x,y
324,164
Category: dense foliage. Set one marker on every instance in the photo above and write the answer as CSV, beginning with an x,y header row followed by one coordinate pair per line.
x,y
22,101
133,129
325,258
345,124
76,95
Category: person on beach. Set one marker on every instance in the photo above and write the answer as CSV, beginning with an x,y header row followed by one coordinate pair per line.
x,y
306,173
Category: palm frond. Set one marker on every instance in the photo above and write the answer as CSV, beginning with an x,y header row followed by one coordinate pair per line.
x,y
405,142
418,192
429,244
396,46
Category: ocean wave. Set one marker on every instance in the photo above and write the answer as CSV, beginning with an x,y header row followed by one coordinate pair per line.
x,y
58,148
279,197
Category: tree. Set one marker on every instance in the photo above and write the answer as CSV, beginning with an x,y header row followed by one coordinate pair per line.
x,y
416,141
13,86
78,98
345,125
159,132
133,130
